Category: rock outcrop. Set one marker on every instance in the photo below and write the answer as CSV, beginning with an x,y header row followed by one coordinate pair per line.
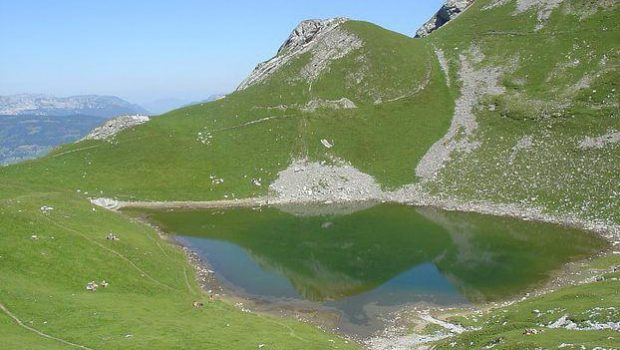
x,y
543,8
599,142
305,181
343,103
324,38
449,11
114,126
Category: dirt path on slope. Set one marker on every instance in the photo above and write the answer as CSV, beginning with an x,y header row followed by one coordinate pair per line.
x,y
44,335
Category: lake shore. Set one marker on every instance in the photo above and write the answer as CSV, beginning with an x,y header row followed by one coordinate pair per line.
x,y
410,195
395,323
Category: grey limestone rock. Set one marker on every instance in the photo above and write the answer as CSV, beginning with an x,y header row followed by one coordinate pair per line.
x,y
323,38
449,11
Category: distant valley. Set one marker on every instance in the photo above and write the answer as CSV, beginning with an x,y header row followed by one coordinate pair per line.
x,y
25,137
31,124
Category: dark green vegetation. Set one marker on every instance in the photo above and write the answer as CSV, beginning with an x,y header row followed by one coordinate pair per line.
x,y
561,86
492,258
386,255
30,136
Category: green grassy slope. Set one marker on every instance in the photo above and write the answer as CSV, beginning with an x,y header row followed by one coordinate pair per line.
x,y
148,303
562,85
165,158
596,302
151,285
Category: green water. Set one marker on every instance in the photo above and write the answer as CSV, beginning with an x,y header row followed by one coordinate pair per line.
x,y
362,262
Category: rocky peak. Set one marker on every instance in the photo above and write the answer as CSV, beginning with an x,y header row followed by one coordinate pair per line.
x,y
449,11
325,35
307,31
113,126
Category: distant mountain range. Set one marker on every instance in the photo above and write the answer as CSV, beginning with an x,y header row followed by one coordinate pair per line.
x,y
43,105
31,125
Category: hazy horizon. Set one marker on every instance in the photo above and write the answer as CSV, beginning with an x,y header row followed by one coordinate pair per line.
x,y
149,51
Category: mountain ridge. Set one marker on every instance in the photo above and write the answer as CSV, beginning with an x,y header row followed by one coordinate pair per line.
x,y
46,105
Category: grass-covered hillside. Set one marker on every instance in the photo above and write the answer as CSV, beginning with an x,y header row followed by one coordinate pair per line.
x,y
514,101
47,257
256,133
539,77
552,138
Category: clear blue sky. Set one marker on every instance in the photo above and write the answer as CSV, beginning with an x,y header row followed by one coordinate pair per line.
x,y
146,50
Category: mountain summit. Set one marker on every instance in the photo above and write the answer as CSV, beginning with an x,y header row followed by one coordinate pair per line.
x,y
449,11
325,35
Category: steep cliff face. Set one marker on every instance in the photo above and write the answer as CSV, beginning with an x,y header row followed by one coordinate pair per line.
x,y
307,31
449,11
324,38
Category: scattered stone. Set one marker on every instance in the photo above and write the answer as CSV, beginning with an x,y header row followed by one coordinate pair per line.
x,y
530,331
107,203
599,142
204,137
459,138
327,144
343,103
46,209
543,8
112,127
216,180
257,182
104,284
304,181
112,237
34,237
443,63
92,286
565,323
198,304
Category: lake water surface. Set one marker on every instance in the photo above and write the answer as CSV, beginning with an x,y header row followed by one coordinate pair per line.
x,y
362,262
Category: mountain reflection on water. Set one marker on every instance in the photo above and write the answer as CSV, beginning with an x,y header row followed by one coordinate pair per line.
x,y
356,259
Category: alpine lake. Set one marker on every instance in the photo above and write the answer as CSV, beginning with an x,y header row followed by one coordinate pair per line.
x,y
362,262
